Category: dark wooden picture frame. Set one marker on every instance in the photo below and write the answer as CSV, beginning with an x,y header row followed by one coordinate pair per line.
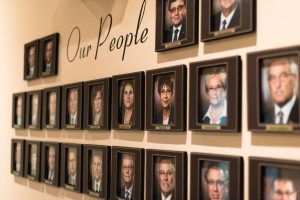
x,y
91,152
166,27
18,123
21,153
50,176
125,155
30,172
170,160
243,19
53,42
91,90
174,79
210,169
53,123
276,177
263,97
135,83
219,78
32,73
34,122
66,118
77,150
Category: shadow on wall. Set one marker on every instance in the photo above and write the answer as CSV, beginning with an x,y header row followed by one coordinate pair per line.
x,y
167,137
86,15
233,140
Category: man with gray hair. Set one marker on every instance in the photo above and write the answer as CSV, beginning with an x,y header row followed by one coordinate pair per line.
x,y
282,82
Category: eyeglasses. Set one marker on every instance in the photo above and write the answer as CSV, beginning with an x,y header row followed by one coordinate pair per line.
x,y
215,89
282,77
281,193
178,9
129,168
167,173
217,183
165,92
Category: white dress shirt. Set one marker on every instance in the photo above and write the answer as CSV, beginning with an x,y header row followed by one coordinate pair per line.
x,y
51,175
52,119
34,120
166,198
286,110
129,191
31,71
73,119
97,186
48,67
173,33
228,19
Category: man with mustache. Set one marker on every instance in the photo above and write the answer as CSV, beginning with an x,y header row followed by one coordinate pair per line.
x,y
127,190
282,81
166,179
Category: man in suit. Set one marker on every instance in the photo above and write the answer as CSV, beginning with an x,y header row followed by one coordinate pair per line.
x,y
284,189
96,171
166,179
33,160
72,167
52,108
282,82
97,103
19,111
127,189
73,103
34,109
228,17
18,157
31,60
177,14
51,163
48,57
217,182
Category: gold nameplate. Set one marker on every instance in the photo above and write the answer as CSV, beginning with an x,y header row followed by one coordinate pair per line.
x,y
211,127
172,44
162,127
95,194
94,127
31,178
225,32
32,126
50,126
71,126
125,126
17,126
45,73
49,182
279,128
16,173
70,187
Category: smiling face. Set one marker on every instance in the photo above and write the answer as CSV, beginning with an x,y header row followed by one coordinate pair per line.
x,y
128,96
97,102
97,168
49,51
215,90
127,170
177,12
166,176
73,101
166,96
216,184
51,158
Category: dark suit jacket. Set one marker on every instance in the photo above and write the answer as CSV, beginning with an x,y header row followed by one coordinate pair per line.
x,y
168,34
158,118
269,116
235,20
122,192
100,121
158,197
121,117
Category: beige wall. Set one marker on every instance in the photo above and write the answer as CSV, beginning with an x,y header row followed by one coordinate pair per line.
x,y
23,21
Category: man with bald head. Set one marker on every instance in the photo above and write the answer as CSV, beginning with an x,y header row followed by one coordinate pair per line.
x,y
227,17
282,83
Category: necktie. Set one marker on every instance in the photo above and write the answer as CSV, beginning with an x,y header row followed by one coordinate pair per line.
x,y
280,115
127,196
224,24
175,38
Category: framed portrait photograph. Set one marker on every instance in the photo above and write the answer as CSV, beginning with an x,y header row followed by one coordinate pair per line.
x,y
33,160
97,104
128,101
216,177
17,157
166,99
96,171
176,24
127,175
273,90
272,179
166,175
223,18
52,108
18,110
72,98
71,167
50,167
34,110
215,97
49,55
31,60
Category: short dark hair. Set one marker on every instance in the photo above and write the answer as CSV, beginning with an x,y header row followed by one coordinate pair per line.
x,y
172,1
165,80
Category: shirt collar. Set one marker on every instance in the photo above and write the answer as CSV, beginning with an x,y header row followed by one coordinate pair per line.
x,y
179,28
224,113
228,18
286,109
166,198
